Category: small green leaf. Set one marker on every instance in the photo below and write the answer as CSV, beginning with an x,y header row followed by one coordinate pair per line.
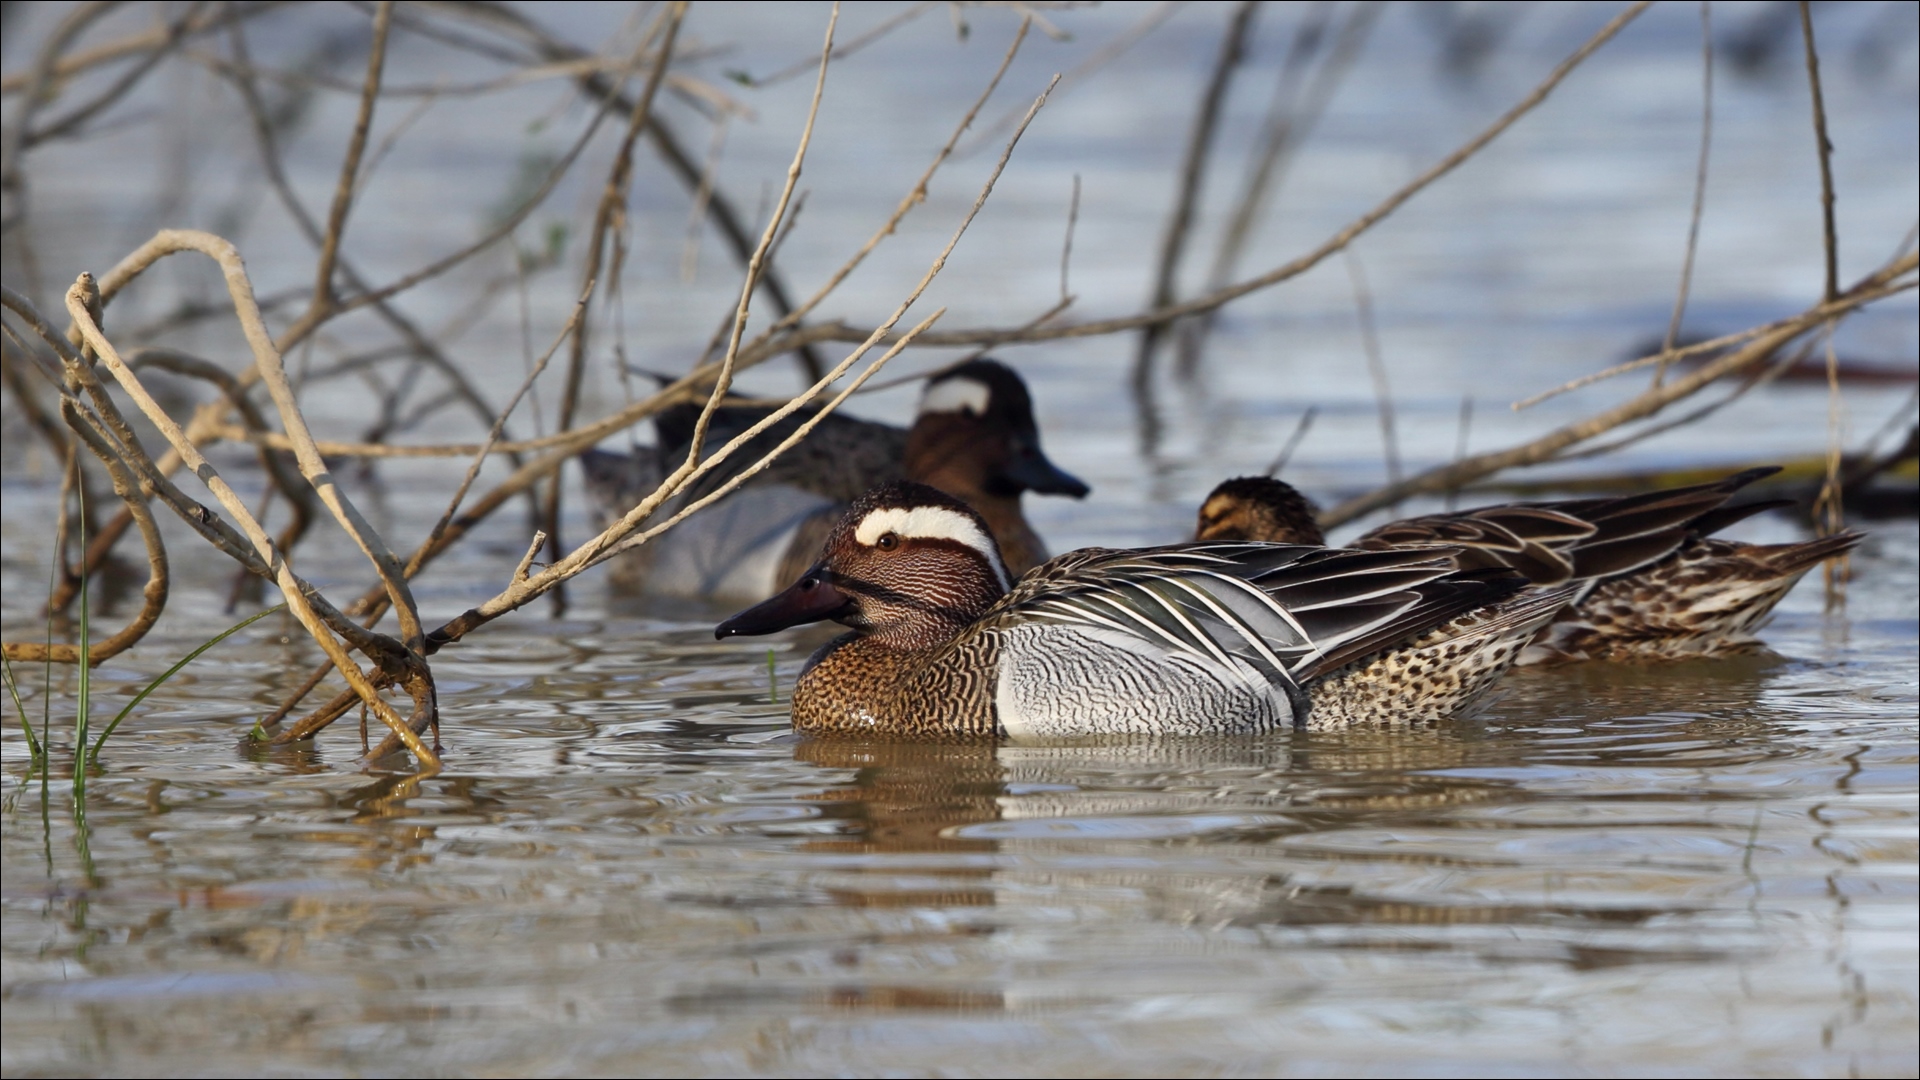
x,y
175,670
739,76
26,725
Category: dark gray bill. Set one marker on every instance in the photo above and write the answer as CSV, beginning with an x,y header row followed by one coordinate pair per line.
x,y
810,599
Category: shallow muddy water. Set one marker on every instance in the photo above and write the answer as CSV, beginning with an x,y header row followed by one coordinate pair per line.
x,y
629,867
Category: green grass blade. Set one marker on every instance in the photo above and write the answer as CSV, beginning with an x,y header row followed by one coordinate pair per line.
x,y
26,725
86,671
175,670
46,705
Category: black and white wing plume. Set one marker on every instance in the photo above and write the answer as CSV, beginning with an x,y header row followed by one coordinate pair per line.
x,y
1578,539
1289,612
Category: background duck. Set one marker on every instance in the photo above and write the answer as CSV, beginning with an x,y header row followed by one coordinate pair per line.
x,y
974,437
1653,582
1193,639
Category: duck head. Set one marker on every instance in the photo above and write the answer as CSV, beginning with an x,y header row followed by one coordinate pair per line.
x,y
1258,508
908,565
975,436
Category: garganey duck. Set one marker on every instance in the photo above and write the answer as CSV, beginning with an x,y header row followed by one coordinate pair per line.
x,y
1192,639
974,437
1653,582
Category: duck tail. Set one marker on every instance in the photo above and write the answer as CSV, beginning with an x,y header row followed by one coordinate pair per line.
x,y
1797,558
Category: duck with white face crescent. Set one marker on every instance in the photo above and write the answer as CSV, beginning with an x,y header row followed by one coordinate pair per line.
x,y
1193,639
974,437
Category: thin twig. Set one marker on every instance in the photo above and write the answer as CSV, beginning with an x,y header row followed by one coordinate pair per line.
x,y
1879,284
1066,245
702,195
1698,348
72,64
851,47
1376,364
1300,429
1106,54
350,165
1828,504
1763,377
65,125
612,207
1460,444
40,81
1173,239
493,433
526,561
1699,186
1294,268
799,433
1286,128
915,196
1826,152
697,442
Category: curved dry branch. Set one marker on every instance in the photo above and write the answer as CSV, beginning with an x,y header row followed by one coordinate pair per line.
x,y
415,675
1881,283
617,536
153,598
267,361
296,491
156,484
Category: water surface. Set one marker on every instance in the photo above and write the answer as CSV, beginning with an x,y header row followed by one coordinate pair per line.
x,y
629,867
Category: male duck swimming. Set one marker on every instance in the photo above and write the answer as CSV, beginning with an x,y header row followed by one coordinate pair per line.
x,y
1192,639
974,437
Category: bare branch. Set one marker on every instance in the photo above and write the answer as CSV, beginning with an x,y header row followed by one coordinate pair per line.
x,y
1879,284
1193,171
153,596
613,198
1699,186
350,165
1221,297
295,590
1826,152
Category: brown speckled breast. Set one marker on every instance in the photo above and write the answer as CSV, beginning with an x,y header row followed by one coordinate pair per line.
x,y
856,686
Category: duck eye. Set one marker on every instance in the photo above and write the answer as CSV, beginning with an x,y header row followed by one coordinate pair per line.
x,y
887,542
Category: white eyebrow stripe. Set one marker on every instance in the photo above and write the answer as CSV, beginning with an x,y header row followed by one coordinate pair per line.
x,y
960,394
932,523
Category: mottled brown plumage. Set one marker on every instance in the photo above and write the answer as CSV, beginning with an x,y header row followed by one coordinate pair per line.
x,y
1709,597
1259,508
1654,586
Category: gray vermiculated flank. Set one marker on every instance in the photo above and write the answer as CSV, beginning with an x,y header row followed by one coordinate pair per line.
x,y
1056,680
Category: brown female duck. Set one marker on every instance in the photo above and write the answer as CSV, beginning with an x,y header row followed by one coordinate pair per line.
x,y
1653,582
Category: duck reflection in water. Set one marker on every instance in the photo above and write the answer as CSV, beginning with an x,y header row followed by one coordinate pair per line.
x,y
1246,800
